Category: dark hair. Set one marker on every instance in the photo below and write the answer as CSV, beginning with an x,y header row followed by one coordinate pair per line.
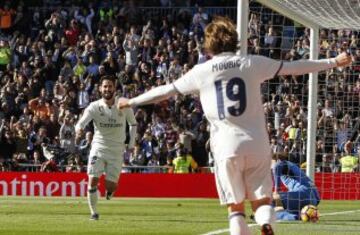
x,y
107,77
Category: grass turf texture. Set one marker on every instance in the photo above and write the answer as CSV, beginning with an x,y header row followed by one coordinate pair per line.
x,y
37,216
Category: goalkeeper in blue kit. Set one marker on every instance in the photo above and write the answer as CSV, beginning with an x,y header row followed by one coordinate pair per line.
x,y
301,191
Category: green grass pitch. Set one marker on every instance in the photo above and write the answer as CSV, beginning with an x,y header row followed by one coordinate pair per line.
x,y
62,216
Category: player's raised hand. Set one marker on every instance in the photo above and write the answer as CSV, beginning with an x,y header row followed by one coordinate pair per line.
x,y
342,60
123,103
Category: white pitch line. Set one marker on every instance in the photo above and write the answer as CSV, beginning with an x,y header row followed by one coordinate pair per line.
x,y
220,231
340,212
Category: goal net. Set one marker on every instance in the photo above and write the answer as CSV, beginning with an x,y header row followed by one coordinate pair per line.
x,y
331,14
285,98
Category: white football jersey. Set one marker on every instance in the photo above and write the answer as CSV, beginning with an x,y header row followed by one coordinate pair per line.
x,y
229,88
109,124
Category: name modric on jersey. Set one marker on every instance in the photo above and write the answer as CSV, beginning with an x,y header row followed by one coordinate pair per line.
x,y
226,65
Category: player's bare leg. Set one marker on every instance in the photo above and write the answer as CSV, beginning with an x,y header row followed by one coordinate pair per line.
x,y
110,188
264,215
237,223
92,197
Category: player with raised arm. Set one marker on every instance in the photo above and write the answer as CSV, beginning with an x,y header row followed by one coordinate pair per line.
x,y
229,89
108,144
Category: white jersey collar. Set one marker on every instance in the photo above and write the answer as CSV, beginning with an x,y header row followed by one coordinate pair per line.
x,y
227,53
102,102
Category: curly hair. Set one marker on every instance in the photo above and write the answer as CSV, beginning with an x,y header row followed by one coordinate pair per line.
x,y
221,36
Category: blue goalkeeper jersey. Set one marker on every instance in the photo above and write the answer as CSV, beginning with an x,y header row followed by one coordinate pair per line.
x,y
301,189
291,176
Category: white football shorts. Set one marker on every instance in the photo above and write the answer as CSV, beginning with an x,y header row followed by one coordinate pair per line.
x,y
243,177
105,161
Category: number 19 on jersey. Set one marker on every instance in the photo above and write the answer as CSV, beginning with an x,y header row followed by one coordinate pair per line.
x,y
235,90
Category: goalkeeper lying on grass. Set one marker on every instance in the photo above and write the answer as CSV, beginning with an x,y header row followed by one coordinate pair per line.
x,y
301,191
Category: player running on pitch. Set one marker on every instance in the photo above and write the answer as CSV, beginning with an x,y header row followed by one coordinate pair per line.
x,y
108,145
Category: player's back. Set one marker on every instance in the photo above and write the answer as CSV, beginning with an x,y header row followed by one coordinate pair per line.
x,y
229,88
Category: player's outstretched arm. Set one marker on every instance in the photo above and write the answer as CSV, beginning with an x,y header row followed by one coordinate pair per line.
x,y
343,60
153,96
308,66
123,103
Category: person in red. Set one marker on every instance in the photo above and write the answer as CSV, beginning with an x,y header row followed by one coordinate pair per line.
x,y
72,33
41,108
6,15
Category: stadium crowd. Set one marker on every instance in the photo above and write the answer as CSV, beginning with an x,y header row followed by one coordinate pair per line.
x,y
51,60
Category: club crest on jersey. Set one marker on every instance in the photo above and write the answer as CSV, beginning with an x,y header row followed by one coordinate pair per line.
x,y
102,111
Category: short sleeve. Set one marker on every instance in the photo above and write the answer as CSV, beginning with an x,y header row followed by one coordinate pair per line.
x,y
86,117
188,83
130,117
264,67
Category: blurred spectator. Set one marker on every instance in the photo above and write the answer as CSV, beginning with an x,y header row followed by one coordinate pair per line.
x,y
67,134
5,54
53,127
275,146
6,16
21,141
41,108
153,163
186,137
200,18
83,97
183,163
75,164
138,157
54,27
349,163
130,46
85,16
199,145
84,146
149,146
7,143
37,136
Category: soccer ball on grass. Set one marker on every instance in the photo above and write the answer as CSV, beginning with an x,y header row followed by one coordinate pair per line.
x,y
309,213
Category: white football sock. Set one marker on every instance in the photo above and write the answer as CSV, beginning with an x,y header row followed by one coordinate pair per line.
x,y
237,224
92,198
265,215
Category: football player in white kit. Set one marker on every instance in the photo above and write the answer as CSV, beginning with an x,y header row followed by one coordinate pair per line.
x,y
229,90
108,144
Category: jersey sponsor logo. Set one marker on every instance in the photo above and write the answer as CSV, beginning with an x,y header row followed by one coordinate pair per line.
x,y
226,65
110,125
111,120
